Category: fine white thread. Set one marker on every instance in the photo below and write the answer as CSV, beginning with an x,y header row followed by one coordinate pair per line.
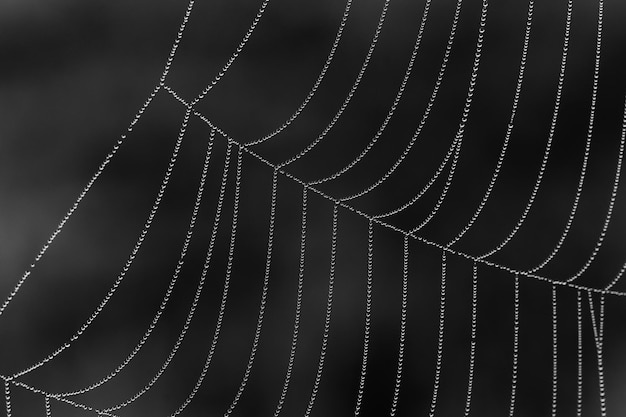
x,y
579,379
329,305
199,288
234,55
442,311
554,353
392,109
316,85
7,396
546,154
266,279
368,316
296,324
515,345
231,250
583,171
131,258
429,106
598,334
103,165
48,407
464,118
405,283
170,287
348,98
389,226
472,360
60,399
609,214
509,129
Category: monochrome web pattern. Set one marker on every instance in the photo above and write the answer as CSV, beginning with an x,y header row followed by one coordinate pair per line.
x,y
427,231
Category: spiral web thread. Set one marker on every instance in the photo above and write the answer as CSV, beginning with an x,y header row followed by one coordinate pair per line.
x,y
280,170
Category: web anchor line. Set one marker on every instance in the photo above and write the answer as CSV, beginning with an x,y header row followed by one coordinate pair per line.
x,y
130,260
107,160
380,222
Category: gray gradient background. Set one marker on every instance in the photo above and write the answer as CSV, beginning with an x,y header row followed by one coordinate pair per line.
x,y
73,74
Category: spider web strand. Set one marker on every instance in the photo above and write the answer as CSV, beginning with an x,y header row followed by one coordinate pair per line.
x,y
329,306
102,166
296,324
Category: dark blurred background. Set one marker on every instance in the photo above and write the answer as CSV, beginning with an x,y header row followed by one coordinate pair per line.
x,y
74,74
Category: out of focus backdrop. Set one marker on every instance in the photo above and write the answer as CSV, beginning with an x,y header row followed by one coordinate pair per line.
x,y
73,78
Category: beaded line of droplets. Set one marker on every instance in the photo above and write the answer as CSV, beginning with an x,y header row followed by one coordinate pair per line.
x,y
170,287
368,316
555,351
551,132
316,84
403,314
63,400
579,355
472,360
609,214
389,226
234,55
598,335
587,152
196,299
509,129
129,262
107,160
350,94
429,106
394,105
440,334
464,118
225,289
296,324
266,278
516,302
455,147
329,306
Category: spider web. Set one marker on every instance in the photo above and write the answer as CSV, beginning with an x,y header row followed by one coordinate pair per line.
x,y
356,208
